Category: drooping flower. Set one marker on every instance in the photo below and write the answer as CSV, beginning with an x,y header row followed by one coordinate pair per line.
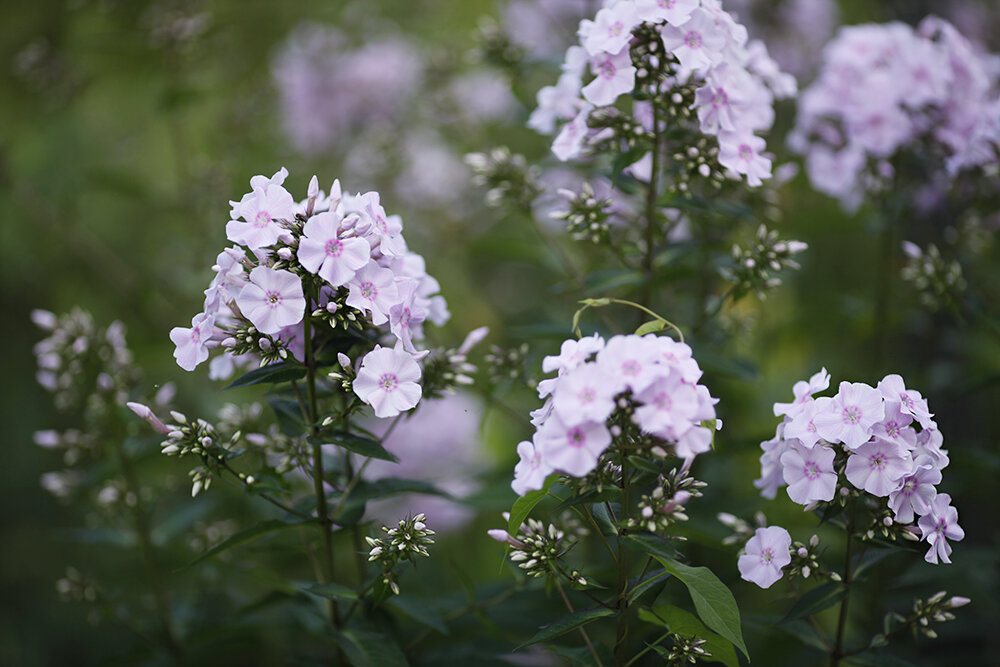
x,y
272,300
766,553
191,343
938,526
388,381
322,251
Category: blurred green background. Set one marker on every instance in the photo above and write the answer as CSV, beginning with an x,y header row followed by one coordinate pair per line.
x,y
121,142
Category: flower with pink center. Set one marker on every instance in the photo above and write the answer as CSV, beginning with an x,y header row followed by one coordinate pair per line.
x,y
373,289
669,407
802,424
895,426
585,393
261,211
878,466
765,554
677,356
614,76
388,381
610,30
938,526
573,353
407,315
192,343
849,417
911,402
572,449
382,231
803,392
322,251
531,471
809,473
740,152
632,361
272,300
915,492
698,43
675,12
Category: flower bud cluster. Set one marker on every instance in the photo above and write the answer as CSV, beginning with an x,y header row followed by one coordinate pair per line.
x,y
664,505
404,542
805,561
506,175
939,282
685,651
446,370
936,609
537,549
754,266
587,215
742,530
506,364
77,587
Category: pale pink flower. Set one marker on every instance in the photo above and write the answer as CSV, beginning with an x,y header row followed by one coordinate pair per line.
x,y
610,30
614,75
669,407
915,492
555,103
809,473
191,343
261,211
272,300
771,471
675,12
803,392
849,417
573,353
406,316
383,231
765,554
373,289
388,381
322,251
740,151
631,361
911,402
572,449
585,393
801,425
938,526
531,471
878,466
698,43
569,142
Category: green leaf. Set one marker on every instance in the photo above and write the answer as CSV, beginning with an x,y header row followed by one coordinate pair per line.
x,y
607,281
714,602
257,530
651,579
569,622
651,326
354,443
284,371
522,507
603,519
681,622
652,545
370,649
288,414
878,660
815,601
420,611
332,591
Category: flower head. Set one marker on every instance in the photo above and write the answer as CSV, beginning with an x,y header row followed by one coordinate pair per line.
x,y
766,553
272,300
388,381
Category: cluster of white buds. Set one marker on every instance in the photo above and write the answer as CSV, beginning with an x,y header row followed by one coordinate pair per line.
x,y
806,563
448,369
248,340
586,215
938,280
194,437
754,266
538,548
936,609
742,530
404,542
606,474
77,587
665,504
506,176
686,650
506,364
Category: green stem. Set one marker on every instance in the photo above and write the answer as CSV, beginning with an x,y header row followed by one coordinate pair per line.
x,y
645,296
583,631
621,633
838,648
649,647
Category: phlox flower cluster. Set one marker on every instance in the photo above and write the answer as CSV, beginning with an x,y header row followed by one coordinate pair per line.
x,y
641,387
339,260
887,88
656,50
878,440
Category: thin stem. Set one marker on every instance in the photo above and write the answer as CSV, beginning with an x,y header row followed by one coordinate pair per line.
x,y
649,647
838,647
623,566
651,218
607,545
583,631
266,496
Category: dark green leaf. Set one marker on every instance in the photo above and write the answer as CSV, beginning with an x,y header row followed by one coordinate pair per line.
x,y
332,591
522,507
654,578
683,623
354,443
566,623
284,371
420,611
714,602
815,601
257,530
369,649
652,545
644,464
603,519
288,414
600,282
878,660
580,656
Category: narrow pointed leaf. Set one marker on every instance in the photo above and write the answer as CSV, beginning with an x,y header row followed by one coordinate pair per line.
x,y
354,443
332,591
815,601
370,649
255,531
522,507
681,622
569,622
284,371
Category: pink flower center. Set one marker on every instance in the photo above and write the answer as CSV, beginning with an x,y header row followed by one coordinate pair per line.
x,y
719,99
877,461
334,248
811,470
587,395
195,335
273,298
616,29
851,414
746,153
666,4
262,220
575,437
387,382
906,400
940,527
631,367
767,555
909,486
608,70
368,290
404,318
692,39
892,429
